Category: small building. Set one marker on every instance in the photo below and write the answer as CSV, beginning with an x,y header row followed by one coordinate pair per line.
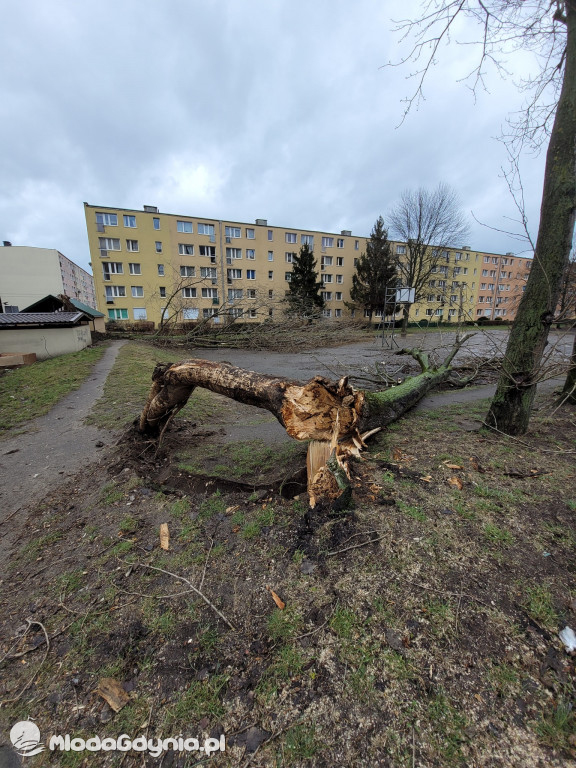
x,y
47,334
64,303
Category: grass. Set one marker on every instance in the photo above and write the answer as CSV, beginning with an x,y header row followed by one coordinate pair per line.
x,y
240,460
539,605
31,391
129,382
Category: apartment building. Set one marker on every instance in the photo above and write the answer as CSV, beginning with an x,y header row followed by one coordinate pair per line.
x,y
29,274
149,264
501,284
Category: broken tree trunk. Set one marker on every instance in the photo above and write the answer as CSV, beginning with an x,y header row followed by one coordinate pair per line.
x,y
333,416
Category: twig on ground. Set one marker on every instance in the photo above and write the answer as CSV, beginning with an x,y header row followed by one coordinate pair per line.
x,y
354,546
35,675
186,581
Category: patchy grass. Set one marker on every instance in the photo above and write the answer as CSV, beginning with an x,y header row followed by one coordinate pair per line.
x,y
129,382
31,391
429,638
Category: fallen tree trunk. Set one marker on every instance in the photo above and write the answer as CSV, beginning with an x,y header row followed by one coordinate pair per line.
x,y
332,414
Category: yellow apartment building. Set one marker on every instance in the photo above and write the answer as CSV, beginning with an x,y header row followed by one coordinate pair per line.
x,y
148,264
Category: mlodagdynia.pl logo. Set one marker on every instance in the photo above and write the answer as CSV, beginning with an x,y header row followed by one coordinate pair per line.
x,y
25,736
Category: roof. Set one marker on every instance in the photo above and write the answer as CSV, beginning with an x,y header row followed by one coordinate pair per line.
x,y
52,303
20,319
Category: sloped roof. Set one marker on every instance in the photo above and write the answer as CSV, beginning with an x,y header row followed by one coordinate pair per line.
x,y
52,303
20,319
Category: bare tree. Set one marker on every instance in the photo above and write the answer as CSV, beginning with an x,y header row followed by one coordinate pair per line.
x,y
548,29
428,222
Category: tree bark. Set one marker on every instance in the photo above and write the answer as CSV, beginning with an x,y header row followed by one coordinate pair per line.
x,y
569,390
512,403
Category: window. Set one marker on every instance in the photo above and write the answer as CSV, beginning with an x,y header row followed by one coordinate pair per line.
x,y
234,293
270,255
129,221
400,250
160,270
156,222
250,235
290,257
112,268
185,250
355,262
206,313
233,253
162,290
137,291
441,283
208,272
430,297
250,274
118,314
486,259
206,229
135,268
465,271
456,271
234,274
189,293
107,219
250,254
453,298
252,313
457,257
326,295
186,271
337,313
495,260
270,294
132,245
270,234
207,250
184,226
326,313
492,273
114,291
270,274
338,295
209,293
327,242
288,276
140,313
340,242
236,312
443,270
109,243
327,261
339,261
429,312
291,237
451,312
251,293
482,286
158,246
190,313
339,279
326,278
484,273
307,240
356,244
232,232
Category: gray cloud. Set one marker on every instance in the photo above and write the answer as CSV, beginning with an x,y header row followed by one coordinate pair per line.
x,y
268,108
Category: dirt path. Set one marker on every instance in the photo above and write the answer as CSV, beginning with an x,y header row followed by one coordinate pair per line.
x,y
54,447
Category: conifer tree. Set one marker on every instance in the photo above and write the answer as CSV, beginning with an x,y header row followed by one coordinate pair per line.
x,y
375,272
304,296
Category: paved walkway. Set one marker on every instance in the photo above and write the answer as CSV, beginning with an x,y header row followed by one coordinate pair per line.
x,y
53,447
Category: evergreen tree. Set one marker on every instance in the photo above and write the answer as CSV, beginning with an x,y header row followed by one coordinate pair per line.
x,y
304,295
375,272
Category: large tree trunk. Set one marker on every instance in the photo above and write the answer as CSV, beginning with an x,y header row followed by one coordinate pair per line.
x,y
333,416
512,403
569,390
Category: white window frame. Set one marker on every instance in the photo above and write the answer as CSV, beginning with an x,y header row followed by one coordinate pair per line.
x,y
135,267
185,227
129,221
137,291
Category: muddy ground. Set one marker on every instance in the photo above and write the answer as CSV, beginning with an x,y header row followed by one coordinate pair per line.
x,y
420,627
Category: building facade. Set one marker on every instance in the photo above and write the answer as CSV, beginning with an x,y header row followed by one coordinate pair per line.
x,y
502,281
28,274
151,266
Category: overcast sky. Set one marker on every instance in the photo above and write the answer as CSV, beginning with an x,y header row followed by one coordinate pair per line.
x,y
276,109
